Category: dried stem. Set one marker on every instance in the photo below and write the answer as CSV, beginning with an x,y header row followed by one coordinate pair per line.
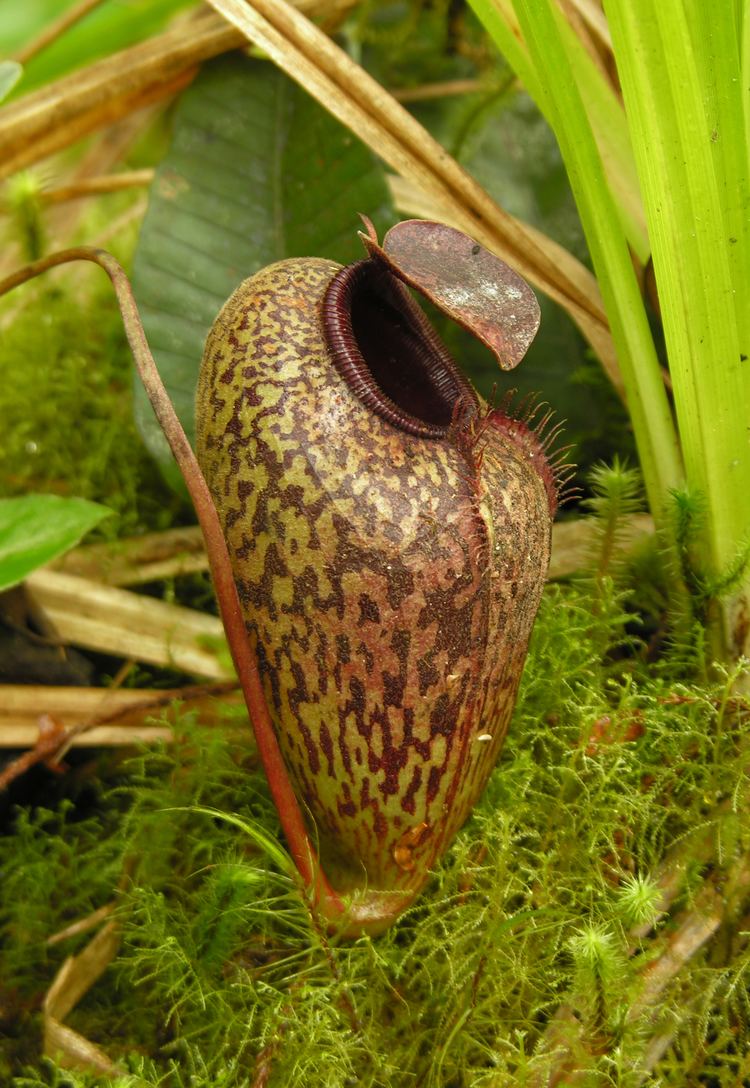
x,y
51,736
102,718
146,558
38,124
47,120
444,89
95,186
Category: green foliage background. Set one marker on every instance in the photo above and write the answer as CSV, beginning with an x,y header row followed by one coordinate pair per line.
x,y
624,750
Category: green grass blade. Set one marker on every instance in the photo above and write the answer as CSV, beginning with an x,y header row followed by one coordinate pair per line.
x,y
609,125
265,842
500,22
745,73
603,108
680,71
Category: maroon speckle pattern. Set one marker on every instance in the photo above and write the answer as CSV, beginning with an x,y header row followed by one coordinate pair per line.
x,y
391,581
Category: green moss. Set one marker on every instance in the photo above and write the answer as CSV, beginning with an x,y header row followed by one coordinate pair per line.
x,y
608,767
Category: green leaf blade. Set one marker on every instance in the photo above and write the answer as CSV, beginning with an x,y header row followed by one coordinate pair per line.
x,y
647,403
680,74
35,529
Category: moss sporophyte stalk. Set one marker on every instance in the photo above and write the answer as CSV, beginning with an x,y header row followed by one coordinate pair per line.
x,y
380,547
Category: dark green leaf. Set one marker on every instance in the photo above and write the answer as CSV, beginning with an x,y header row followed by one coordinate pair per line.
x,y
35,529
257,171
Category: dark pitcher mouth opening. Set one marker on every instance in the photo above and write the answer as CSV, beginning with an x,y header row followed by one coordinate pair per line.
x,y
387,351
